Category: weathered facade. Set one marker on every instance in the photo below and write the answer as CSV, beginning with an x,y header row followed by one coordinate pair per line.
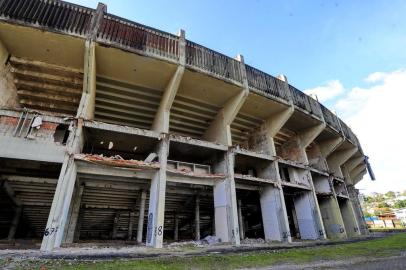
x,y
110,129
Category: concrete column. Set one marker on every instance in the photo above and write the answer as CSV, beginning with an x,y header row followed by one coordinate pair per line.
x,y
219,130
197,218
74,216
307,216
274,218
14,223
87,102
130,225
328,146
338,158
176,228
331,215
349,217
225,203
115,225
155,228
262,140
141,216
161,120
240,221
359,215
57,220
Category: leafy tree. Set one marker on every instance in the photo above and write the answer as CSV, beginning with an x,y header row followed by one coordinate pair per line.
x,y
390,194
400,204
383,205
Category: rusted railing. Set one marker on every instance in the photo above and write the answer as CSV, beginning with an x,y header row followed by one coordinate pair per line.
x,y
55,15
262,81
136,36
330,118
212,62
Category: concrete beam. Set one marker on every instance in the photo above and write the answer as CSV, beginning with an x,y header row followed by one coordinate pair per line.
x,y
338,158
130,225
87,102
219,130
331,216
161,120
308,135
357,170
176,228
328,146
10,193
155,228
263,139
353,162
350,221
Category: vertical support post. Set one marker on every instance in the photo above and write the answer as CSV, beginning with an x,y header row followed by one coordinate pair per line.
x,y
156,212
115,225
73,220
176,228
141,216
225,202
197,218
14,223
130,225
240,221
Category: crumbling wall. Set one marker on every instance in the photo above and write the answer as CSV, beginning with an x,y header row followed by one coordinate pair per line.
x,y
8,91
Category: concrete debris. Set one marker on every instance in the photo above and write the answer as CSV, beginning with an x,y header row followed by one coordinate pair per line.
x,y
196,174
117,161
207,241
252,241
37,122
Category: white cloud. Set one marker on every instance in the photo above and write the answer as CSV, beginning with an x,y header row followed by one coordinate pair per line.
x,y
327,92
377,115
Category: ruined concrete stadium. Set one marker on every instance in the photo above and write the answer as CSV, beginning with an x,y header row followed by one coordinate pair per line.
x,y
112,130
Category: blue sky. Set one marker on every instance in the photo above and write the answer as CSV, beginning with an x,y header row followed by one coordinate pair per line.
x,y
351,54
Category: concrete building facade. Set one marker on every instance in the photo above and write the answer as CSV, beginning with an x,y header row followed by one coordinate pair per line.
x,y
110,129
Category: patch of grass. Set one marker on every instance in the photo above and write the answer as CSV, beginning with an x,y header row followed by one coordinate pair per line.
x,y
389,246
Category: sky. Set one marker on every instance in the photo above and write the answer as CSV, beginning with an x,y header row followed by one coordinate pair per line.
x,y
351,54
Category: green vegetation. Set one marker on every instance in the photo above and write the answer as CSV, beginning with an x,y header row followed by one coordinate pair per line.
x,y
399,204
389,246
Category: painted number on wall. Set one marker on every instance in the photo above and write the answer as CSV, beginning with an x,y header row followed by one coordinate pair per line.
x,y
50,231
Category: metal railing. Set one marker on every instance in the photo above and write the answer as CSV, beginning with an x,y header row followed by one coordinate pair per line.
x,y
122,32
212,62
55,15
330,118
266,83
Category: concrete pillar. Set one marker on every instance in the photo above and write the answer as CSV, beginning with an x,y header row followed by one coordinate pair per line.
x,y
338,158
219,130
308,219
350,220
141,216
87,102
161,120
130,225
57,220
262,140
274,218
115,225
74,216
176,228
155,228
225,203
14,223
240,221
197,218
331,215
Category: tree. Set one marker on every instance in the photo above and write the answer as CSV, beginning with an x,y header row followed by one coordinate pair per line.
x,y
383,205
390,194
400,204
